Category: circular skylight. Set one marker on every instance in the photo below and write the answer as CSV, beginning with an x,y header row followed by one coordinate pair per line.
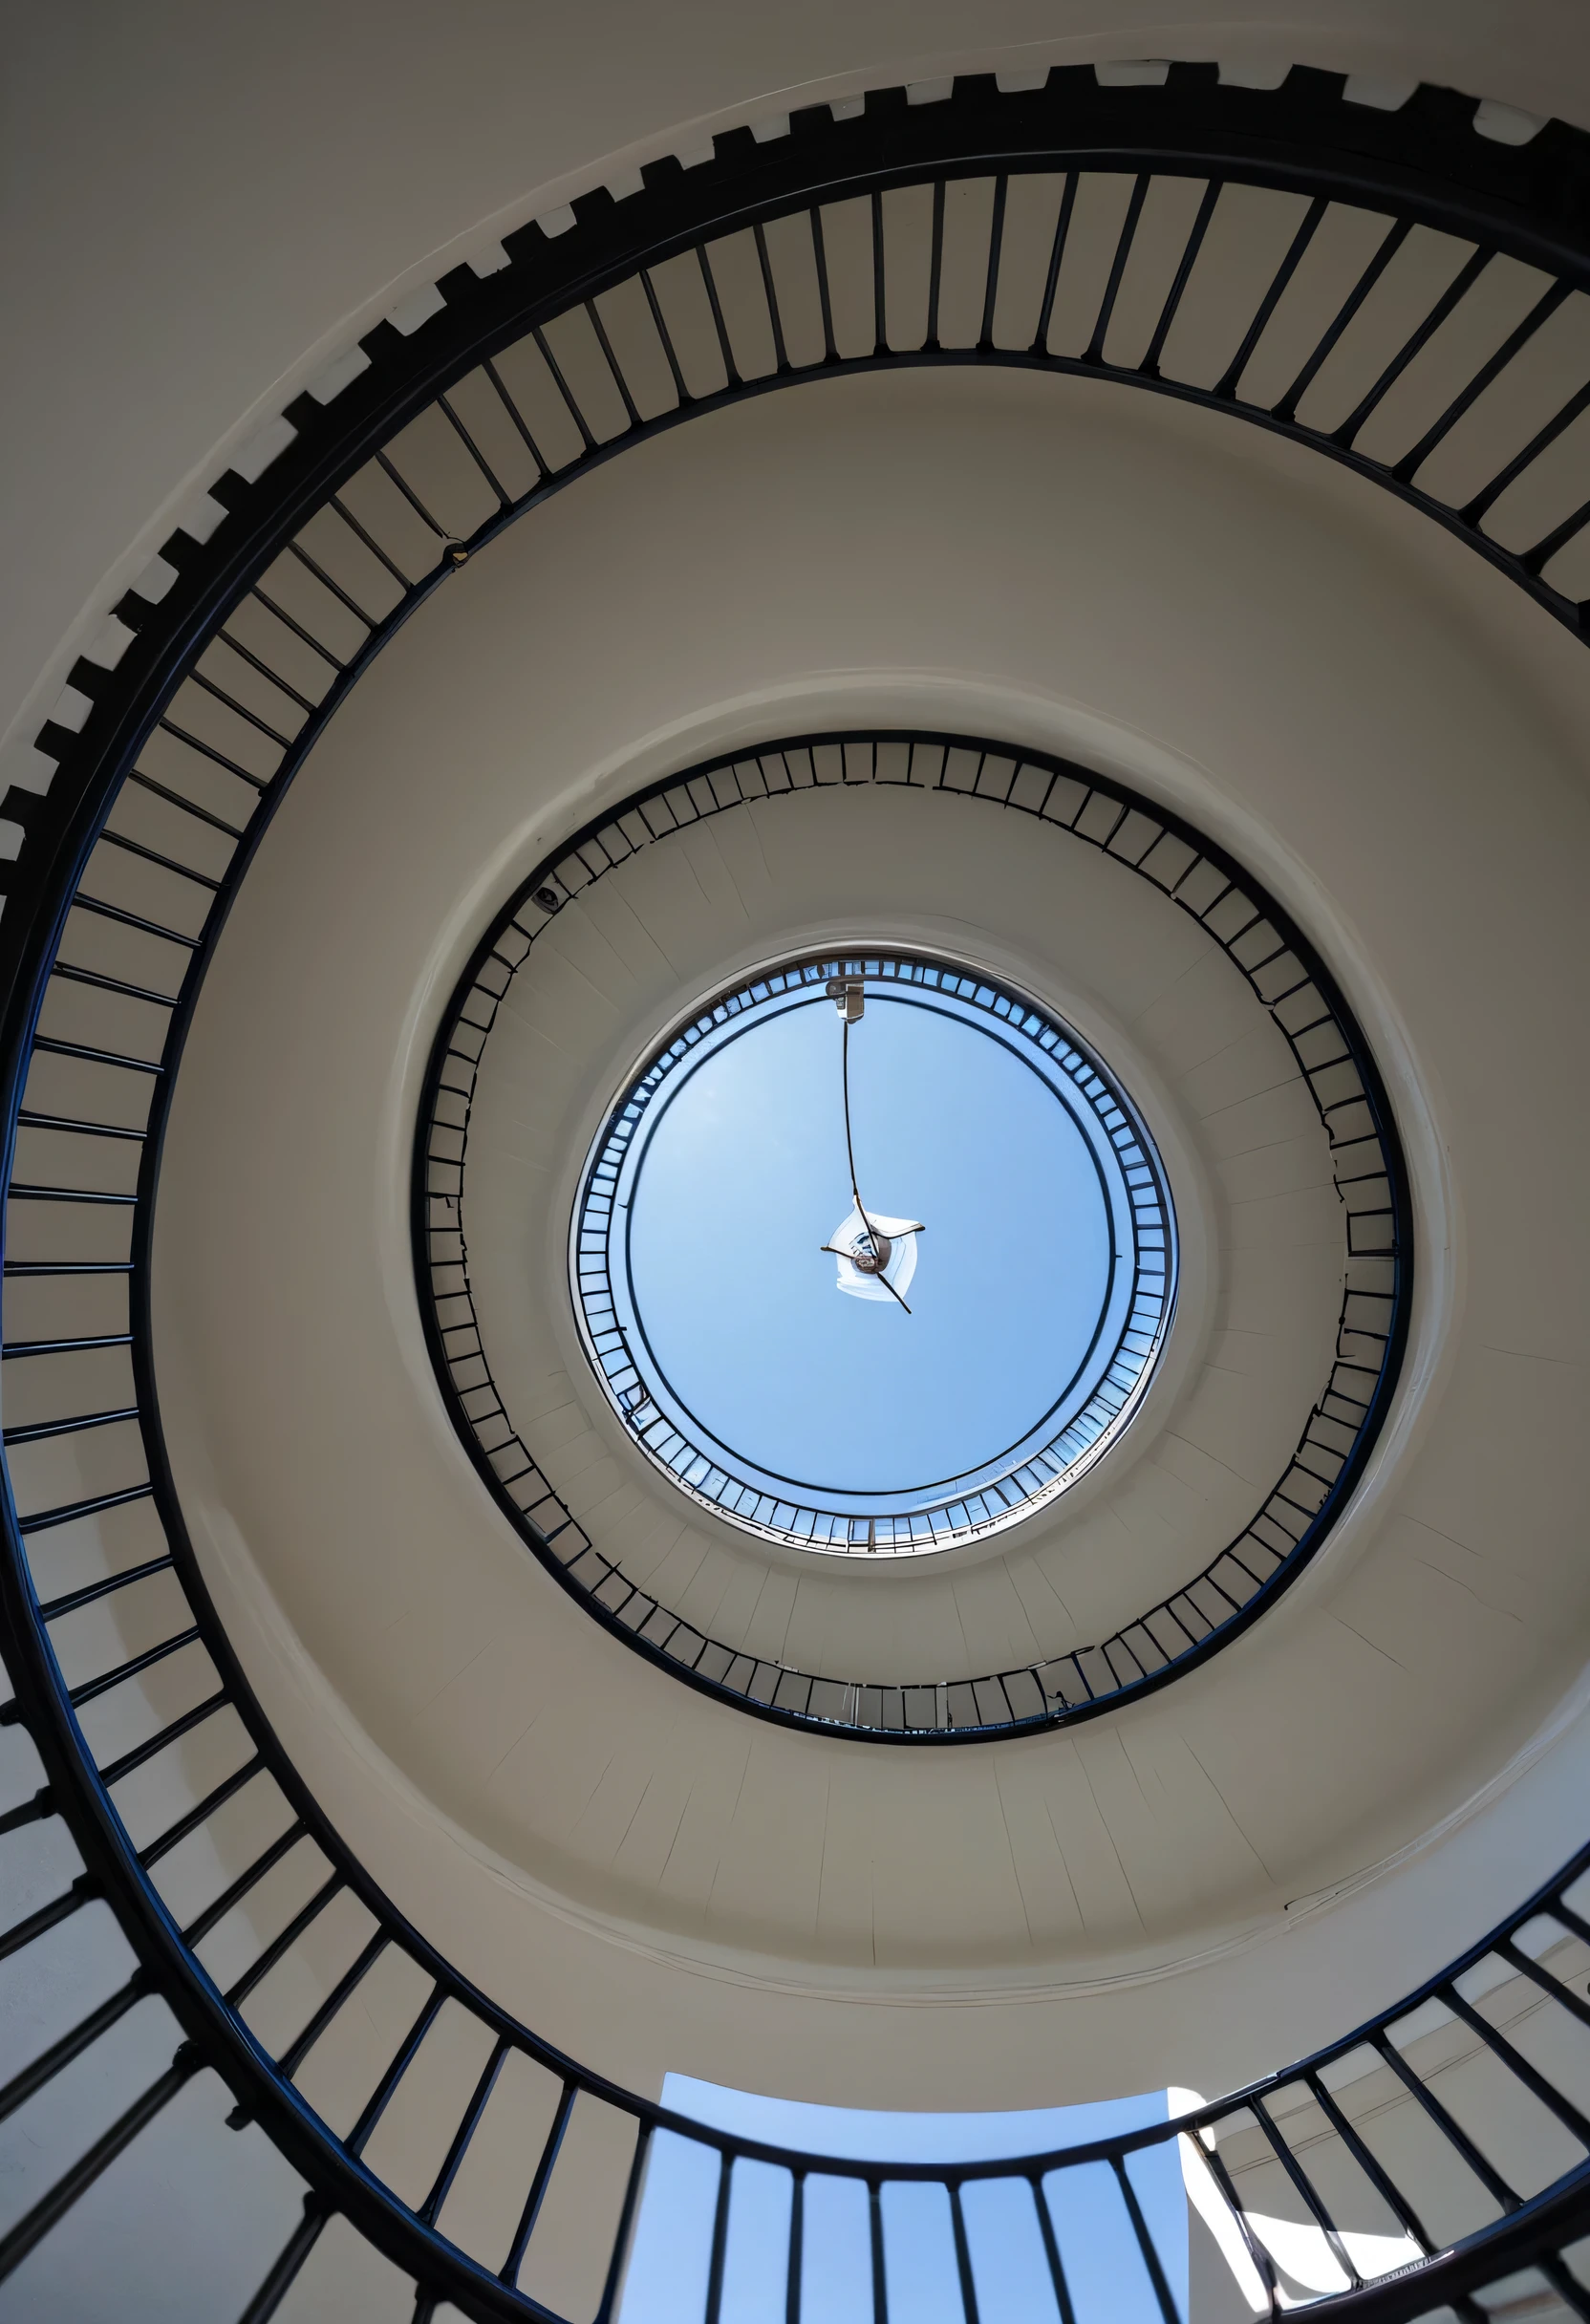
x,y
873,1255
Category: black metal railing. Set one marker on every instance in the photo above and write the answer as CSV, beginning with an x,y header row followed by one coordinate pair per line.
x,y
1334,1065
1397,296
1441,2147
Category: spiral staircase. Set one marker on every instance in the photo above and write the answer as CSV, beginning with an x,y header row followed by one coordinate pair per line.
x,y
499,721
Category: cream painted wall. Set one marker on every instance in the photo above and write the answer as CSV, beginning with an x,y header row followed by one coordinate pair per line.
x,y
1065,532
204,206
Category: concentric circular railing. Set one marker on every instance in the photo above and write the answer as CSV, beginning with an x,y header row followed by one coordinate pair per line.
x,y
1388,2177
1285,974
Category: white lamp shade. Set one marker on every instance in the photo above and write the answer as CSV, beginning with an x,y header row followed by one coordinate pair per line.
x,y
851,1237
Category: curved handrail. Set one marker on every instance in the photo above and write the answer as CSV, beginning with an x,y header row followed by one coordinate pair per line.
x,y
1423,168
1292,1519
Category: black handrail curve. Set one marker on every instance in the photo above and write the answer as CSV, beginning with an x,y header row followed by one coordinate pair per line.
x,y
1334,1062
189,686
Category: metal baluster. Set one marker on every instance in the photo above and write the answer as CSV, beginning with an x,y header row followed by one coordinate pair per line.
x,y
408,2048
1391,243
631,410
60,2053
1570,1919
493,481
1257,2252
1450,298
1150,365
305,636
963,2255
283,1942
1305,2186
53,1608
720,2238
274,677
81,1126
1574,2003
83,901
874,2222
679,388
1227,384
880,312
775,321
1094,351
1543,308
508,2274
1384,2186
177,1832
199,814
297,551
371,543
1057,253
298,2050
389,468
995,249
284,2273
1051,2251
249,718
1540,442
936,265
35,1810
797,2246
543,470
709,284
429,2209
171,1733
1535,560
53,2207
19,1192
217,758
626,2222
820,259
1455,2135
110,1679
1517,2065
1567,2287
1146,2243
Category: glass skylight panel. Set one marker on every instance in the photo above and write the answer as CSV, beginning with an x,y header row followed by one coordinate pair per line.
x,y
994,1331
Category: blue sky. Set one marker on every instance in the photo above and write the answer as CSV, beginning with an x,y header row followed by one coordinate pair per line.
x,y
1109,2282
745,1177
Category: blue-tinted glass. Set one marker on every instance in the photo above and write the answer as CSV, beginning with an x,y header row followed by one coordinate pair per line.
x,y
1009,2268
745,1319
672,2252
1099,2251
919,2254
755,2273
1157,2183
1104,2263
836,2251
745,1179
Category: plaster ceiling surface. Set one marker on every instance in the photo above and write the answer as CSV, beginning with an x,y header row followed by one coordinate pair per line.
x,y
1316,679
204,207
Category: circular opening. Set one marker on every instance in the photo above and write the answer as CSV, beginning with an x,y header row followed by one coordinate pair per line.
x,y
873,1255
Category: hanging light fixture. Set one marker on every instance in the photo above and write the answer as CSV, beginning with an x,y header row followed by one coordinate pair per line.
x,y
877,1256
